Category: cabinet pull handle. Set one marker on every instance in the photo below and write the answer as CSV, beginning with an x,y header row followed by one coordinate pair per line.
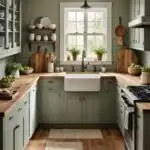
x,y
20,109
50,89
50,81
10,118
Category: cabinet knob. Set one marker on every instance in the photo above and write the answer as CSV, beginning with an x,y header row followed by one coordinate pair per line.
x,y
20,109
25,103
10,118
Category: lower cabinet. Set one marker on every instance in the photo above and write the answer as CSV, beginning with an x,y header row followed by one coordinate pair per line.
x,y
16,125
52,107
26,126
73,108
33,110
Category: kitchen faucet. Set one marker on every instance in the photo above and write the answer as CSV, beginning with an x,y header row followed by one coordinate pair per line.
x,y
83,66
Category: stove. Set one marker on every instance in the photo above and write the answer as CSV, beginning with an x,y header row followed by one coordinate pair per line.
x,y
140,92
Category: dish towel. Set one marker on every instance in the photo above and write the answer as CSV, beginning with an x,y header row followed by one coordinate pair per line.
x,y
127,115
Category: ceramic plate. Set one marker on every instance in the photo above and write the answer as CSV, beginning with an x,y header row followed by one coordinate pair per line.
x,y
46,22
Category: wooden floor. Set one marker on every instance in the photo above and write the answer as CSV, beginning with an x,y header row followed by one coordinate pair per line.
x,y
112,140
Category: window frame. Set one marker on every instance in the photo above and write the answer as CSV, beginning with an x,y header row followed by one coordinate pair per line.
x,y
67,5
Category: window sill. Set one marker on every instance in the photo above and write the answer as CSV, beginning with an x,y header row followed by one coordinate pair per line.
x,y
86,62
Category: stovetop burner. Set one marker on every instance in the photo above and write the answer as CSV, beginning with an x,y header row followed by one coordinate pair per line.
x,y
141,92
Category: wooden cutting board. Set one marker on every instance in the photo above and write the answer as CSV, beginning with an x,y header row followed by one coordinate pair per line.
x,y
129,58
124,58
120,61
37,61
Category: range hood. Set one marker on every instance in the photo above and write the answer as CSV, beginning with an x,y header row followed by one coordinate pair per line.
x,y
142,21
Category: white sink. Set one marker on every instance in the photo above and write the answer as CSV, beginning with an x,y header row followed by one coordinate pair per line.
x,y
87,82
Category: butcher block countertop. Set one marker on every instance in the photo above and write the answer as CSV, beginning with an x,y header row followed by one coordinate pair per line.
x,y
24,83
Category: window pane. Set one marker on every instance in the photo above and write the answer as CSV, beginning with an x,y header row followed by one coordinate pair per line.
x,y
91,42
71,41
80,27
72,27
80,40
99,27
99,16
91,27
80,16
91,16
71,16
99,40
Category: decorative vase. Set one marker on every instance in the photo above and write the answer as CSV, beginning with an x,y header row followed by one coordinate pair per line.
x,y
15,73
99,57
145,78
31,36
53,37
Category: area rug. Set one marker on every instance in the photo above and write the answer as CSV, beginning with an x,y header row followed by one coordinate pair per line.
x,y
50,145
75,134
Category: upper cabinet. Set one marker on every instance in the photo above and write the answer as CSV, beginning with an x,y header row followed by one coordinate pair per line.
x,y
139,13
139,34
10,27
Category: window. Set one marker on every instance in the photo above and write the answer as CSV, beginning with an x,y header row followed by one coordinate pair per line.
x,y
85,29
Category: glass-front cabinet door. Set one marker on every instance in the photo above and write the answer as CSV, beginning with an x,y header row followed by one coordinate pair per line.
x,y
10,26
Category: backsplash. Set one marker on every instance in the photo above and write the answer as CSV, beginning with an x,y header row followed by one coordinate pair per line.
x,y
32,10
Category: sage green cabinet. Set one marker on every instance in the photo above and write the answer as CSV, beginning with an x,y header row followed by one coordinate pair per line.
x,y
74,108
10,36
33,110
26,121
52,107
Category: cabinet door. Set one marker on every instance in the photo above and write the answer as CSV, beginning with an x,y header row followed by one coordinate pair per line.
x,y
10,124
18,134
142,7
26,121
52,108
73,108
137,8
33,111
140,132
92,108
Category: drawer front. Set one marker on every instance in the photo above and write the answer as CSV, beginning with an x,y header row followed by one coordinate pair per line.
x,y
52,84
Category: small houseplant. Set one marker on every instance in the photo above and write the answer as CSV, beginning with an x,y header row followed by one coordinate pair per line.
x,y
99,51
14,69
145,75
74,52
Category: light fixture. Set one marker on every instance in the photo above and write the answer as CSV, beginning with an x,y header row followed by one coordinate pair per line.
x,y
85,5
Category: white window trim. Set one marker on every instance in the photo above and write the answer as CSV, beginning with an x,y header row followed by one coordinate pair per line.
x,y
107,5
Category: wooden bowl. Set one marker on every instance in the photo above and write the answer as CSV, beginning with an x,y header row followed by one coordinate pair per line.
x,y
134,71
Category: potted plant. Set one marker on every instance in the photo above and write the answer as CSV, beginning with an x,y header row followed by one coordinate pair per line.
x,y
145,76
14,69
74,52
99,51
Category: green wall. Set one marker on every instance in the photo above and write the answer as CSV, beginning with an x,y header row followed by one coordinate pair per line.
x,y
50,8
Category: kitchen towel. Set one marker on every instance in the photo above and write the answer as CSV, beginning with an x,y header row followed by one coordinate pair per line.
x,y
75,134
52,145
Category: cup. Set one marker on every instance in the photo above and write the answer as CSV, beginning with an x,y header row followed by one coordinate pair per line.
x,y
57,69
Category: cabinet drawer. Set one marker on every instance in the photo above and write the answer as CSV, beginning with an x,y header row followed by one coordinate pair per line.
x,y
52,83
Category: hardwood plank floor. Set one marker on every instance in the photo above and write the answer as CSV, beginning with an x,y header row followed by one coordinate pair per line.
x,y
112,140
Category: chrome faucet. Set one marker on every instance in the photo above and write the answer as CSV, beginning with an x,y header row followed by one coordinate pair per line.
x,y
83,66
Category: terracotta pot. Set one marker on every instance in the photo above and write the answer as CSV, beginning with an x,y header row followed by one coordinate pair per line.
x,y
99,57
74,57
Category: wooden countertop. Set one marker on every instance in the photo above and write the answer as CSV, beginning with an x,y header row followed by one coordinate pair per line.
x,y
143,106
24,84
